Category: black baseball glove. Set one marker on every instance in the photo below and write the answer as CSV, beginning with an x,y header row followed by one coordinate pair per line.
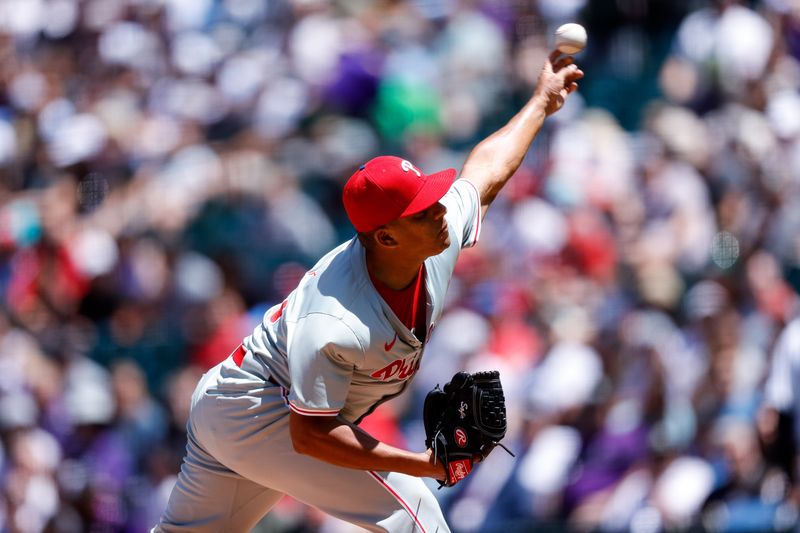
x,y
464,421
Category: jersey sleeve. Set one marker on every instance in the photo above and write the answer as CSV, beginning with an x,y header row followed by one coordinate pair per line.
x,y
778,390
322,355
463,205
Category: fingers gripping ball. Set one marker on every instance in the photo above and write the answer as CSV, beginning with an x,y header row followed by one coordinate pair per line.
x,y
464,421
570,38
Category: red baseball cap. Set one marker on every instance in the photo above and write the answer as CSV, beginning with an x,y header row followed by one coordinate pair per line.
x,y
387,188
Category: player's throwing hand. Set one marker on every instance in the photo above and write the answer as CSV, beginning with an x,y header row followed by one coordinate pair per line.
x,y
557,80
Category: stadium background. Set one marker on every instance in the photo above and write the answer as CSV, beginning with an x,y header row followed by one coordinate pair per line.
x,y
170,168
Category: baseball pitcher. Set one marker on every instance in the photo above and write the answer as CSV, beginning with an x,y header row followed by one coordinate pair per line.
x,y
281,414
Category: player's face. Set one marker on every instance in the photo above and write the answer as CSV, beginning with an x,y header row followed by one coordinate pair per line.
x,y
424,233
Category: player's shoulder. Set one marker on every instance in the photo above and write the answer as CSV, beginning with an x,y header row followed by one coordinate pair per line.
x,y
462,189
463,202
338,287
326,284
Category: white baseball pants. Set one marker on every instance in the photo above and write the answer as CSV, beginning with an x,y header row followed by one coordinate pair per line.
x,y
240,461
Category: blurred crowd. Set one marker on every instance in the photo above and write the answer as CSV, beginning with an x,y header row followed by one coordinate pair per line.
x,y
170,168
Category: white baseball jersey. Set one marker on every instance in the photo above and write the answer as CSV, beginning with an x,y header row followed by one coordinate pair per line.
x,y
782,389
334,344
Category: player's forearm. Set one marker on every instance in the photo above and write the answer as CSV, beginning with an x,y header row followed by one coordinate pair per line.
x,y
337,442
495,159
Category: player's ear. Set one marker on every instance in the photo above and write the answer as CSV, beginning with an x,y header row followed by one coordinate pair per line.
x,y
383,237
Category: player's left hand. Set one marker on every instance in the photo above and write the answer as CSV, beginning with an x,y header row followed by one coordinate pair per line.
x,y
557,80
438,469
464,421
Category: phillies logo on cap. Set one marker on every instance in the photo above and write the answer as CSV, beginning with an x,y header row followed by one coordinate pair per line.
x,y
406,166
461,437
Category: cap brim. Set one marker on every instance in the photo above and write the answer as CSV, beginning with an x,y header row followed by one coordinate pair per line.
x,y
436,185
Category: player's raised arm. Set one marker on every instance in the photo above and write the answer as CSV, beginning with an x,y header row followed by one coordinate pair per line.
x,y
495,159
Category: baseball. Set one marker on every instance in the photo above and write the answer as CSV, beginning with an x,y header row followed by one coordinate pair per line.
x,y
570,38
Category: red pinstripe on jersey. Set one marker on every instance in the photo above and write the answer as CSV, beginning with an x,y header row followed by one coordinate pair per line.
x,y
399,498
309,412
478,221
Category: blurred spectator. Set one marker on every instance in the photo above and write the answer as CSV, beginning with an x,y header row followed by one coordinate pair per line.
x,y
778,421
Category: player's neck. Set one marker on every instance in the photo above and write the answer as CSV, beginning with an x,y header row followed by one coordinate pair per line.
x,y
393,272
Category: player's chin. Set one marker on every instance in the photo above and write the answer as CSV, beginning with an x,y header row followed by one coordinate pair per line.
x,y
438,247
444,242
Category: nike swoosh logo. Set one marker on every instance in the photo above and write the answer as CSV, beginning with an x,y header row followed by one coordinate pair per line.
x,y
388,345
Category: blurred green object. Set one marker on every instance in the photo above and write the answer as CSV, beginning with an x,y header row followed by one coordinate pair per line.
x,y
403,107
